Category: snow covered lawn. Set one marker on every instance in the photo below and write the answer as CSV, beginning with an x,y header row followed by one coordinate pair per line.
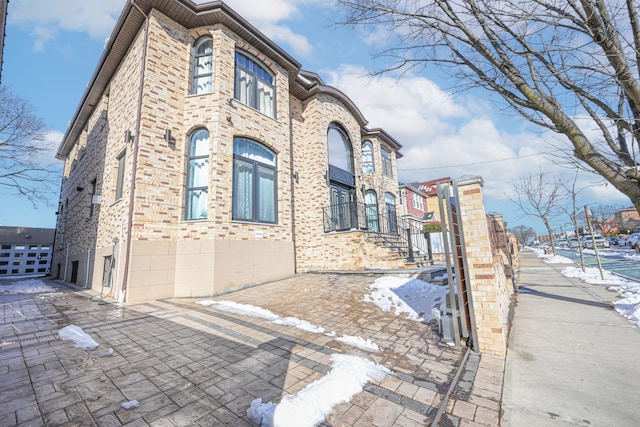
x,y
30,286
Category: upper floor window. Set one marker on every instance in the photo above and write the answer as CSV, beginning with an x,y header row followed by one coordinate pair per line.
x,y
120,176
202,65
367,157
254,85
254,182
386,162
197,192
418,201
339,148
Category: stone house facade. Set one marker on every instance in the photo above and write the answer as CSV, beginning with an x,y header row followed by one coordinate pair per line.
x,y
202,158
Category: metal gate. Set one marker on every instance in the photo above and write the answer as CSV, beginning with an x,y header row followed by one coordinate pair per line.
x,y
460,297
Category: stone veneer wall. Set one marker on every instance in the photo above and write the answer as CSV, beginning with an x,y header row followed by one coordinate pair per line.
x,y
490,288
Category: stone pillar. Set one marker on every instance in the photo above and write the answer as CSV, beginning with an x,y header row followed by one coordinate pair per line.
x,y
489,289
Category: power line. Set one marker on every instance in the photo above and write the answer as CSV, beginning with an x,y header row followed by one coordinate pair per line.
x,y
476,163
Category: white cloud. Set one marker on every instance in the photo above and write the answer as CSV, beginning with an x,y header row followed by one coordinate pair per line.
x,y
98,17
95,18
446,134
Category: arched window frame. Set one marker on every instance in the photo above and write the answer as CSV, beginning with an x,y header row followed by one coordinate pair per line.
x,y
197,186
202,59
340,156
368,158
255,182
254,84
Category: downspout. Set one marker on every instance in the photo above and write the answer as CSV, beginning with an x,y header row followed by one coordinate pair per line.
x,y
293,177
134,165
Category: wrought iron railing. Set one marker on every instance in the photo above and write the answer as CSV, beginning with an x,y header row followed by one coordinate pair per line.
x,y
407,238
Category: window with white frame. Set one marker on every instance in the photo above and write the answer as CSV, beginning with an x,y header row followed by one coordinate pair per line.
x,y
254,85
197,191
202,65
254,182
418,201
386,162
367,157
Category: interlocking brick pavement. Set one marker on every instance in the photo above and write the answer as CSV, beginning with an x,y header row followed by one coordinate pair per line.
x,y
187,364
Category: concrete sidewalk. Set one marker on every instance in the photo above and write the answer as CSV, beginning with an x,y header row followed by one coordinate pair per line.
x,y
572,359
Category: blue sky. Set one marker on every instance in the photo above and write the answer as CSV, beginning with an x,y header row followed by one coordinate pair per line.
x,y
53,46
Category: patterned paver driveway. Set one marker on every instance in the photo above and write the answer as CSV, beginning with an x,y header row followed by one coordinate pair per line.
x,y
188,364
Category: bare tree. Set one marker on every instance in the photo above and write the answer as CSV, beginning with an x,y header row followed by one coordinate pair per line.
x,y
25,163
572,211
540,197
571,66
603,217
524,234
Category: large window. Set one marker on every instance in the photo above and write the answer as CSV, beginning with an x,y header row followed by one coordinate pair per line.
x,y
197,191
254,182
254,85
367,157
386,162
371,209
339,148
120,176
202,65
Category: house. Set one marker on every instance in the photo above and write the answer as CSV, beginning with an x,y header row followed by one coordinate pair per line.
x,y
25,251
202,159
627,220
415,205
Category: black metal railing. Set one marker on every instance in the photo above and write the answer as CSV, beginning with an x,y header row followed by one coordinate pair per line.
x,y
406,238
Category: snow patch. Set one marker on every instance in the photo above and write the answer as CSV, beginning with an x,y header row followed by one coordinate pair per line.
x,y
132,404
413,297
359,342
32,286
78,336
310,406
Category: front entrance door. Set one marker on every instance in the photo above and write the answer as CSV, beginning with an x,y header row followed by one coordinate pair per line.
x,y
344,215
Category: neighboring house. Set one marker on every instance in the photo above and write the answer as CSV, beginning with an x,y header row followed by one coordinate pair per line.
x,y
416,206
25,251
627,220
202,158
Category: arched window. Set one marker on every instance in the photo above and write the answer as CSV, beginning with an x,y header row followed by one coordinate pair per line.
x,y
371,209
254,182
202,65
197,191
367,157
254,85
339,148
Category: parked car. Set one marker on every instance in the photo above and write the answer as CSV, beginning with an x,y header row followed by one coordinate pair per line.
x,y
633,240
622,241
601,242
613,240
573,242
562,243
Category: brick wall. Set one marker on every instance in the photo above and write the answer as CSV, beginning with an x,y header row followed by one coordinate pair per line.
x,y
490,288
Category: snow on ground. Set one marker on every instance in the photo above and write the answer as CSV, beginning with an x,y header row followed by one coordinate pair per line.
x,y
31,286
78,336
262,313
310,406
359,342
629,305
629,292
414,297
